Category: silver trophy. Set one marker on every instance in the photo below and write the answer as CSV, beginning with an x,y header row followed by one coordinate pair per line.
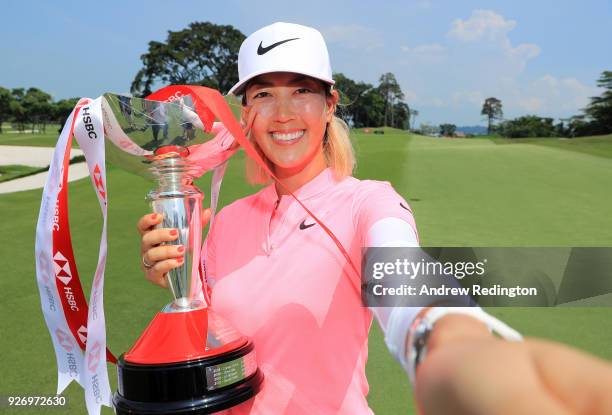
x,y
189,356
155,140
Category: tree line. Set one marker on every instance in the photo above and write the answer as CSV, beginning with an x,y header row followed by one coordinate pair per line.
x,y
32,109
366,105
206,54
361,105
595,119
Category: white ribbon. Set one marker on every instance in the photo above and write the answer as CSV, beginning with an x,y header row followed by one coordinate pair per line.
x,y
67,351
89,369
90,136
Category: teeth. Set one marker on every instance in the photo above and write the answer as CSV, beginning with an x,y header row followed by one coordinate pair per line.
x,y
288,136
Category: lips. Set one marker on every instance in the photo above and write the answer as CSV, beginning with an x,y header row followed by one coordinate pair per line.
x,y
287,137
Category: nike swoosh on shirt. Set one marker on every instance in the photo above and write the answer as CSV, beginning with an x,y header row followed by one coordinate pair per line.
x,y
263,50
304,226
402,205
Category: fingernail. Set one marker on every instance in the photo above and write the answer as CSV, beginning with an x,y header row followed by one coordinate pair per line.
x,y
180,259
173,232
181,248
153,216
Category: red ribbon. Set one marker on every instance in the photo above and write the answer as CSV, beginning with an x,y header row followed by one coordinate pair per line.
x,y
68,283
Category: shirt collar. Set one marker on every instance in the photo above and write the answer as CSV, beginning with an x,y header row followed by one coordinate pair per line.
x,y
317,185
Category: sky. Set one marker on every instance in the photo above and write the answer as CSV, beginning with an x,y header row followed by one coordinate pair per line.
x,y
539,57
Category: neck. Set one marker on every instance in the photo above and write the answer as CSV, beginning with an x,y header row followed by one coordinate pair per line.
x,y
293,179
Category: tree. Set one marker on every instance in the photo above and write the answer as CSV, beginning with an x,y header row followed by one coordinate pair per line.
x,y
371,110
349,90
599,111
17,110
528,126
492,109
448,130
390,92
402,116
351,102
37,105
561,128
5,105
579,126
203,54
62,109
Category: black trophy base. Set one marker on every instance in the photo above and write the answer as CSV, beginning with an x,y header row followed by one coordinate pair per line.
x,y
202,386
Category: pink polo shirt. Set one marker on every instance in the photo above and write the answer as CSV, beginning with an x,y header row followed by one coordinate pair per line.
x,y
281,280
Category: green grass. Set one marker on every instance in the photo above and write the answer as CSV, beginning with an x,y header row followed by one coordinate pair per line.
x,y
15,171
46,139
597,145
471,192
468,192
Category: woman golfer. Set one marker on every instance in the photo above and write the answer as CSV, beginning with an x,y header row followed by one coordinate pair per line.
x,y
274,273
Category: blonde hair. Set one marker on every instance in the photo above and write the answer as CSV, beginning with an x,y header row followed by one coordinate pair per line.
x,y
337,148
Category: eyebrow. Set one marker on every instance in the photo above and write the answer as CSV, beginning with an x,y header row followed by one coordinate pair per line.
x,y
298,79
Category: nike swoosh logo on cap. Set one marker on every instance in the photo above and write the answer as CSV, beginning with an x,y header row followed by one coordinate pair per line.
x,y
263,50
304,226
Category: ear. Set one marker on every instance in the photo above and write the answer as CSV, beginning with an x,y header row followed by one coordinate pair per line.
x,y
244,115
332,101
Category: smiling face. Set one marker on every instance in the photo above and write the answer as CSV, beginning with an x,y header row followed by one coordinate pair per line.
x,y
291,113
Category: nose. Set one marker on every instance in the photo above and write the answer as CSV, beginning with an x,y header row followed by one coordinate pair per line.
x,y
285,110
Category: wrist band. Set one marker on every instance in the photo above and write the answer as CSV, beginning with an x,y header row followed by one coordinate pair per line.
x,y
423,324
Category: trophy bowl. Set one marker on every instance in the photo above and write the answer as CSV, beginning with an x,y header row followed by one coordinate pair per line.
x,y
189,359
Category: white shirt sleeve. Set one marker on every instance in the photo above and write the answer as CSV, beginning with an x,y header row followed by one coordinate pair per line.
x,y
394,321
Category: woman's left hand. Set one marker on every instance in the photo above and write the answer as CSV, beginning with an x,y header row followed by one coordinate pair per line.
x,y
468,371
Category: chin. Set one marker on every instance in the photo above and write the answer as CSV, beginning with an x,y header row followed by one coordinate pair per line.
x,y
290,160
295,166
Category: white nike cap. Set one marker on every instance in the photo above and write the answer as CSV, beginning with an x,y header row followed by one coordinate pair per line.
x,y
283,47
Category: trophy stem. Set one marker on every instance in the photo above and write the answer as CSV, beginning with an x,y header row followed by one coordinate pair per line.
x,y
180,203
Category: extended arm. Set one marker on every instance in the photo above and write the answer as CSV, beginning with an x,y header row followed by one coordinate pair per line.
x,y
407,330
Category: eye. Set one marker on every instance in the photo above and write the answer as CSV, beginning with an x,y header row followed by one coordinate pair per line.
x,y
261,94
303,90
